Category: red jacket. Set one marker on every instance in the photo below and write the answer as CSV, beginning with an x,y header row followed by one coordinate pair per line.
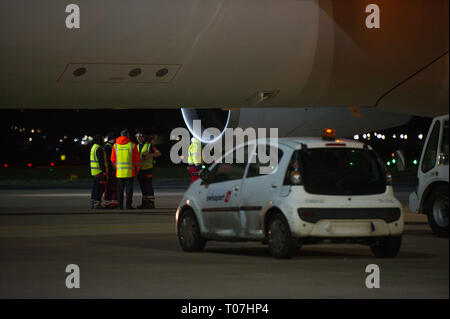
x,y
136,161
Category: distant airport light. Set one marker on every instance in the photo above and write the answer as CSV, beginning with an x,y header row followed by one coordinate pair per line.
x,y
39,131
75,140
63,157
60,140
30,139
383,137
405,137
368,135
415,162
32,130
356,137
5,166
388,163
29,164
394,136
401,136
52,164
57,149
420,136
364,136
393,155
393,161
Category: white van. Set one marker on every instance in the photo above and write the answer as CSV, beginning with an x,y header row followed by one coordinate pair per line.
x,y
320,190
432,195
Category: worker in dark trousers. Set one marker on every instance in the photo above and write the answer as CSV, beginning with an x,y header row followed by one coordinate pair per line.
x,y
99,170
147,153
125,158
111,179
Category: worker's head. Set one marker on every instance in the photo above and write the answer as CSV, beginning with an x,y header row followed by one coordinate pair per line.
x,y
140,137
125,133
97,139
111,137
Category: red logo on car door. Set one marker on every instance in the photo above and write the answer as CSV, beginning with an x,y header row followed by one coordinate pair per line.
x,y
227,197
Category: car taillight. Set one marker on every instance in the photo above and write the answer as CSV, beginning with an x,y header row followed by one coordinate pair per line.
x,y
295,178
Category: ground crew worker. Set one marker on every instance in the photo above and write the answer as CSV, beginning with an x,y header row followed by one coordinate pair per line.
x,y
99,170
125,157
195,159
111,179
145,177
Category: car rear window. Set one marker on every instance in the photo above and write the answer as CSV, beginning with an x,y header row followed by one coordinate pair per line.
x,y
342,171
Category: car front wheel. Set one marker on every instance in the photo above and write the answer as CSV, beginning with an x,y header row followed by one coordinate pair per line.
x,y
189,235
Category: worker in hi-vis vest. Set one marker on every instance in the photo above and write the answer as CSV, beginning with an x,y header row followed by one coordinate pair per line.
x,y
99,170
145,177
125,158
195,159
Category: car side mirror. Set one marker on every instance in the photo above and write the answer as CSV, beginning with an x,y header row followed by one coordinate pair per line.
x,y
205,175
400,160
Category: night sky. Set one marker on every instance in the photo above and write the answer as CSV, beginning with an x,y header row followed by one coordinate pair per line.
x,y
59,129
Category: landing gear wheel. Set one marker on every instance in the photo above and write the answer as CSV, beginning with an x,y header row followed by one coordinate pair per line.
x,y
437,211
388,247
281,242
189,235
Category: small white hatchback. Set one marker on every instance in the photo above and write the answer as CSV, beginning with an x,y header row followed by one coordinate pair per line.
x,y
319,190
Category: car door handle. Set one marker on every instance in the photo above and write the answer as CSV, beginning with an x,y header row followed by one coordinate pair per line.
x,y
236,188
274,186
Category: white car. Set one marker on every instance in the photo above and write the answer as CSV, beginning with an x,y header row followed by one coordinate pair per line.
x,y
320,191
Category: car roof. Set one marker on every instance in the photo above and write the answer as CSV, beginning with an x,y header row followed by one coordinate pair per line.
x,y
315,142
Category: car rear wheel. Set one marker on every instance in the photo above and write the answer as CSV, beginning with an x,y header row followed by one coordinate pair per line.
x,y
387,247
281,242
189,235
437,211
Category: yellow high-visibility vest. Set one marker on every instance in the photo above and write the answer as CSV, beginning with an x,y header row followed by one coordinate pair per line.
x,y
195,153
95,163
146,164
124,155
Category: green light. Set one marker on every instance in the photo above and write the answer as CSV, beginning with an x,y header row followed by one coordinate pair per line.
x,y
393,161
388,163
351,163
203,166
154,162
415,162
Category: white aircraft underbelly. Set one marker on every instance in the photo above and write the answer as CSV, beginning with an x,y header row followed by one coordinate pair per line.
x,y
220,53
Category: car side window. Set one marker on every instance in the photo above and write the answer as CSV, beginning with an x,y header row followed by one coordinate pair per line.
x,y
429,158
223,172
274,154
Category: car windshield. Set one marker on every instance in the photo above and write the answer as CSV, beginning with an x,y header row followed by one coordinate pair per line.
x,y
342,171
